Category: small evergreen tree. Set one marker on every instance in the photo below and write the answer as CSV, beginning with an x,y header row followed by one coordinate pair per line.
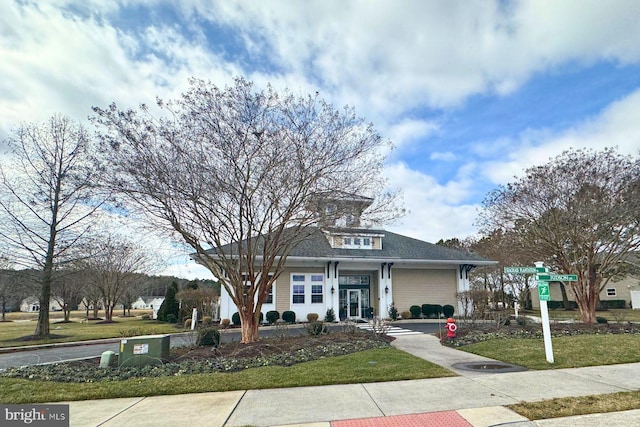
x,y
170,305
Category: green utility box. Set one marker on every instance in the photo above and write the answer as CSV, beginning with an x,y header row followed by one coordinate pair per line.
x,y
144,350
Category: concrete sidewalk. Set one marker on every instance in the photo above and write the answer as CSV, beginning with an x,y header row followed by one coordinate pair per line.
x,y
475,398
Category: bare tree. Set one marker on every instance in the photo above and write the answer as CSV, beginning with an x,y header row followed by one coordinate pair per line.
x,y
578,213
113,264
68,289
239,174
46,198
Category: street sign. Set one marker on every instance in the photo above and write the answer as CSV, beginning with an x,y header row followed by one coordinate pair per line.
x,y
543,291
558,277
520,270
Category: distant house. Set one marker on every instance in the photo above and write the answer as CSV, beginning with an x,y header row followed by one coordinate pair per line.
x,y
147,303
32,305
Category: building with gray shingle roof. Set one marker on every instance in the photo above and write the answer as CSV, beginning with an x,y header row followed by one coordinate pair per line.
x,y
358,272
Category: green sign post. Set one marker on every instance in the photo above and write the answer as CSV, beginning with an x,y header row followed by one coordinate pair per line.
x,y
543,291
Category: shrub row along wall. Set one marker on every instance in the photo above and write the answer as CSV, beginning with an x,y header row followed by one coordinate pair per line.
x,y
431,311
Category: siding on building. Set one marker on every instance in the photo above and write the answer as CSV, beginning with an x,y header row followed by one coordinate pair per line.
x,y
418,286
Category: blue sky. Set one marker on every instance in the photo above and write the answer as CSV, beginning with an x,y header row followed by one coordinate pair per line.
x,y
470,92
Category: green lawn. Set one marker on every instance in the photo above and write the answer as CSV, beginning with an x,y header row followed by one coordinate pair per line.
x,y
386,364
569,352
12,333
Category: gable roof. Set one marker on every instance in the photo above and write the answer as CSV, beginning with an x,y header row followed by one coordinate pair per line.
x,y
394,247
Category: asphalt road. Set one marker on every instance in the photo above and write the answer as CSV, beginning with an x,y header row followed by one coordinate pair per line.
x,y
85,351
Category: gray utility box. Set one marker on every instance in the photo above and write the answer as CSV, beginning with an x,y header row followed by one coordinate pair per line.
x,y
144,350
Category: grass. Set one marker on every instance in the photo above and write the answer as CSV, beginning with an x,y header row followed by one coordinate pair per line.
x,y
386,364
569,406
12,333
569,352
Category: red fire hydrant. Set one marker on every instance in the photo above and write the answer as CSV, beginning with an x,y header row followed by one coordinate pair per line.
x,y
451,328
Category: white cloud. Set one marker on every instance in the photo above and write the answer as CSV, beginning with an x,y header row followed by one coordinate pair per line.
x,y
616,126
407,131
446,156
434,211
393,58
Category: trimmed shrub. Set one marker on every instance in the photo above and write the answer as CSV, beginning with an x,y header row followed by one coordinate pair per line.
x,y
316,328
555,305
208,337
272,316
406,315
601,320
235,318
261,318
415,311
393,312
145,317
330,315
224,323
448,310
312,317
289,316
187,324
437,310
427,310
207,321
614,304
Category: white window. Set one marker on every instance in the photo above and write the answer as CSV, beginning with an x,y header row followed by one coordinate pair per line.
x,y
611,292
357,242
298,294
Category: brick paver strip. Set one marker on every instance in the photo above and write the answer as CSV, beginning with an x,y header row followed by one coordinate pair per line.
x,y
430,419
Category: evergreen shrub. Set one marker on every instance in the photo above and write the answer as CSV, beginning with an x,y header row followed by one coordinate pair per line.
x,y
235,318
208,337
330,315
415,310
448,310
289,316
272,316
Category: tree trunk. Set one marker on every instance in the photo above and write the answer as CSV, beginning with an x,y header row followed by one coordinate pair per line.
x,y
565,298
249,327
42,328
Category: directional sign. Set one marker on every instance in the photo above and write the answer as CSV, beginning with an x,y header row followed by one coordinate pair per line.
x,y
543,291
558,277
520,270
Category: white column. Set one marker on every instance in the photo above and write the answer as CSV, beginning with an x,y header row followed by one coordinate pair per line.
x,y
462,285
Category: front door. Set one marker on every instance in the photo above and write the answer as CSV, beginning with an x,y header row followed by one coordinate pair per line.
x,y
353,299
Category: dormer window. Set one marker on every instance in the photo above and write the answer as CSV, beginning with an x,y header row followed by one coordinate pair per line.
x,y
357,242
